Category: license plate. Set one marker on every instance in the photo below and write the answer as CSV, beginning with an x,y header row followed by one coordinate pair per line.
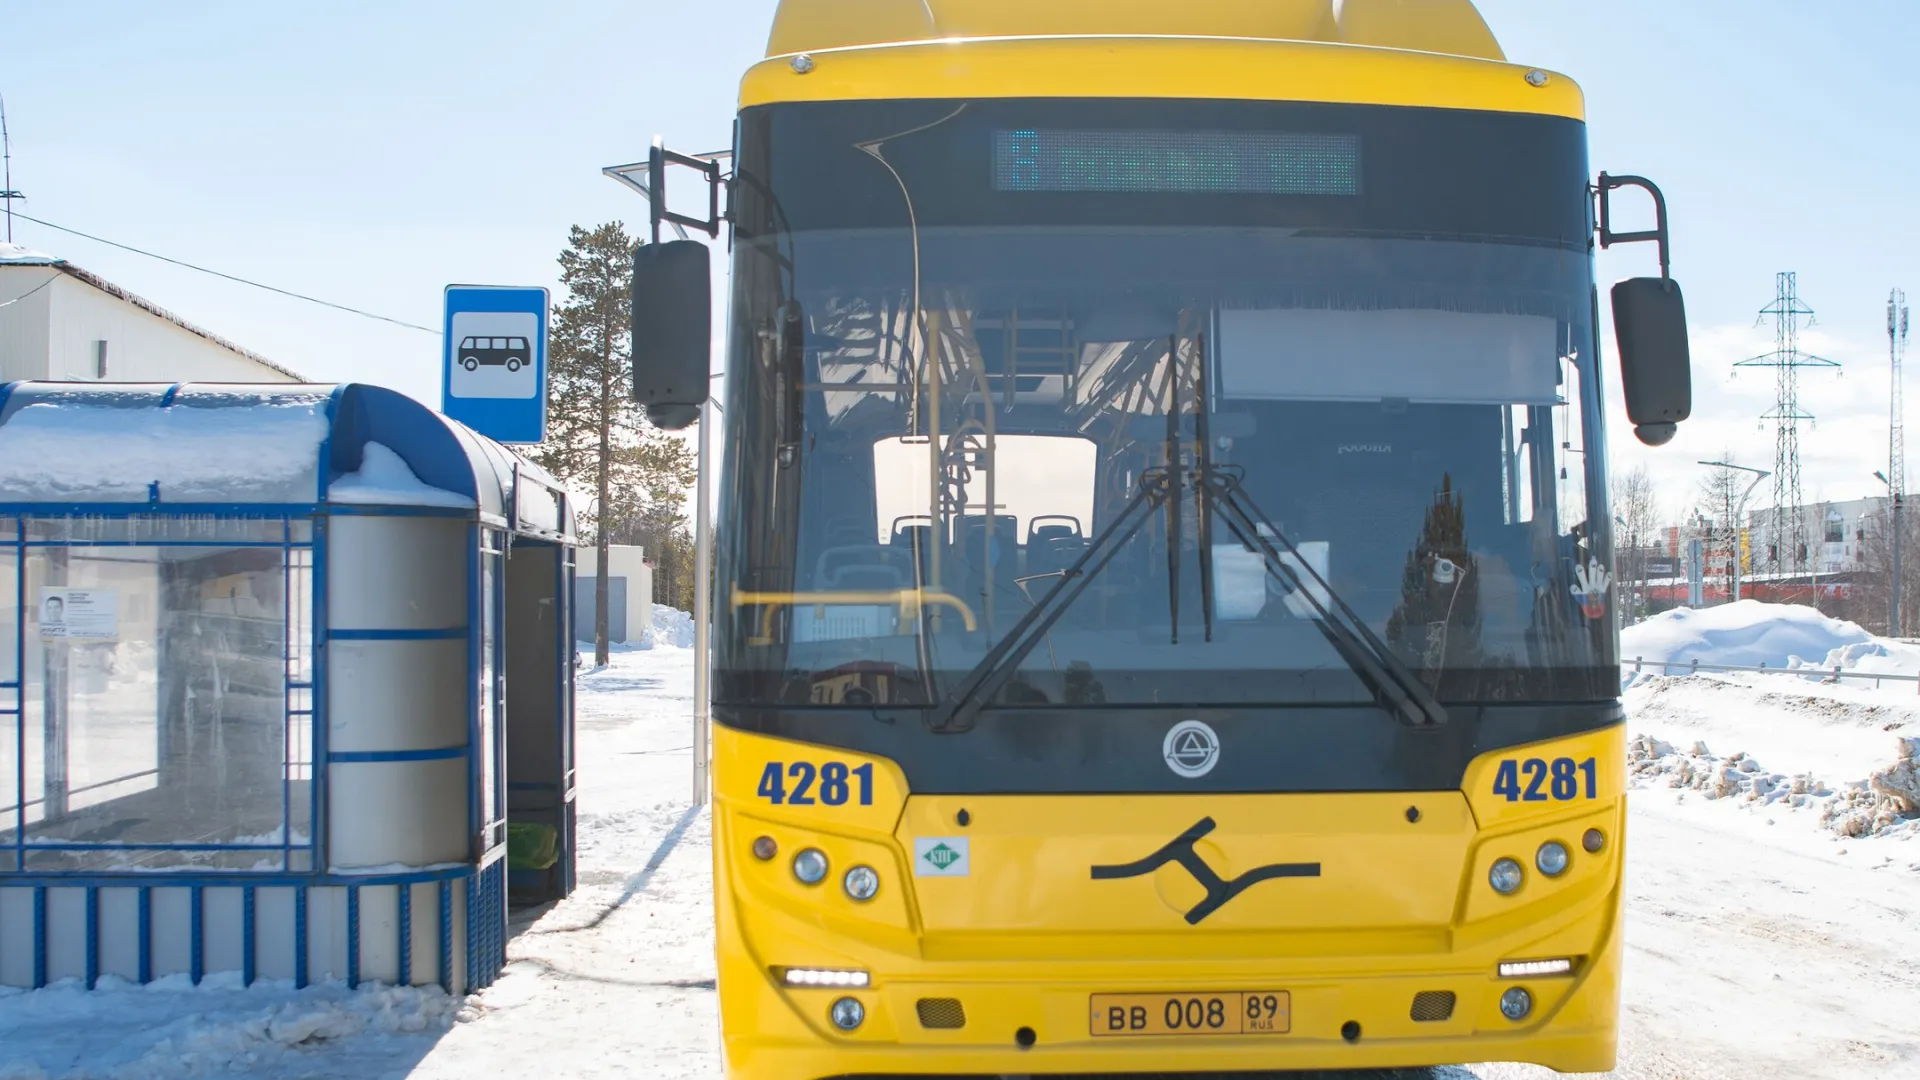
x,y
1235,1012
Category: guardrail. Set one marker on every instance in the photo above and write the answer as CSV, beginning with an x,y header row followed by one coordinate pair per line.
x,y
1835,674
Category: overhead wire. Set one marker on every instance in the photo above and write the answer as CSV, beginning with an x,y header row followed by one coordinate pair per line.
x,y
29,292
229,277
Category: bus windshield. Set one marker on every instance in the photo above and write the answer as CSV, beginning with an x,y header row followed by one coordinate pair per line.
x,y
1161,404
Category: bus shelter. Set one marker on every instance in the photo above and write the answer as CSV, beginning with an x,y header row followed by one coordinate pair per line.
x,y
282,670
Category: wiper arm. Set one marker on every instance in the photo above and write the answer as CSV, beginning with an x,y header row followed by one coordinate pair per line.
x,y
1000,663
1392,682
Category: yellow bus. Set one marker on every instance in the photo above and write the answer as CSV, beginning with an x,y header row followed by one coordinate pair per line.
x,y
1162,613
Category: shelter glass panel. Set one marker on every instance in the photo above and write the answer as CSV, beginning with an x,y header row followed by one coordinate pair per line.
x,y
490,598
157,727
9,614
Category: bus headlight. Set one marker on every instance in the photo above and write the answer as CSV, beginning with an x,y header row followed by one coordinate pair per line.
x,y
1552,858
1516,1003
847,1013
861,883
1505,877
1593,841
810,866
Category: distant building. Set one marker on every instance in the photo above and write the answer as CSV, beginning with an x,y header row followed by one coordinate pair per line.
x,y
1835,535
60,322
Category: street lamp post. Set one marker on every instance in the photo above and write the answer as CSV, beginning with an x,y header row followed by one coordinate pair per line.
x,y
1893,605
1740,514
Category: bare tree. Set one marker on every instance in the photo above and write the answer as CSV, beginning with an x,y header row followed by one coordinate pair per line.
x,y
1873,582
1719,500
1636,535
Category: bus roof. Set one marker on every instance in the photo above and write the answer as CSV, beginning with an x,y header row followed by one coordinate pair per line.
x,y
1450,27
1422,53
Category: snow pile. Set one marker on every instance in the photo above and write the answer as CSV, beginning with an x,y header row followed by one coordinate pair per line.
x,y
83,450
20,255
384,479
1747,634
1877,657
171,1028
1699,769
671,627
1886,804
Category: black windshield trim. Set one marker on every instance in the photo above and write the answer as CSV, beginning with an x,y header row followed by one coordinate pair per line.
x,y
1427,171
1120,750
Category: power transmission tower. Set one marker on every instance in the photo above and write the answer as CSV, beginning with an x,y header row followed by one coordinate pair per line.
x,y
1896,442
1788,533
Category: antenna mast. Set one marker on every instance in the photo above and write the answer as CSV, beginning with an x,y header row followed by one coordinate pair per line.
x,y
1896,443
7,194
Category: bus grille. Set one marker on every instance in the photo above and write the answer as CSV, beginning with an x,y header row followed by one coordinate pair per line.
x,y
1430,1006
941,1013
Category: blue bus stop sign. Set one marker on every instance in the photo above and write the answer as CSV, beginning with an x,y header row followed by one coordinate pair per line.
x,y
494,373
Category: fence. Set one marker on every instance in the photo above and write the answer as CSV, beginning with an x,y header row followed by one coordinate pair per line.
x,y
1835,674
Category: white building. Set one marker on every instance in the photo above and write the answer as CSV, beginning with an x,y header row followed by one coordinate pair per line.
x,y
60,322
629,592
1835,532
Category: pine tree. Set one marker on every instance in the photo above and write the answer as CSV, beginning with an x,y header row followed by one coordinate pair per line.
x,y
596,437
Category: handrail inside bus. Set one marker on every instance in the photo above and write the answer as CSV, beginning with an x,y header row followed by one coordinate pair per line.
x,y
909,601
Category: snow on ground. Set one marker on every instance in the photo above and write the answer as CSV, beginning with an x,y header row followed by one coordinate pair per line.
x,y
1760,944
616,981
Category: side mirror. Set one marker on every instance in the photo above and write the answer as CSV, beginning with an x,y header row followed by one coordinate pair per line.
x,y
672,330
1656,372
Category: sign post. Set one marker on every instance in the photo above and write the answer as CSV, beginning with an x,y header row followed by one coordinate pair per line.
x,y
494,370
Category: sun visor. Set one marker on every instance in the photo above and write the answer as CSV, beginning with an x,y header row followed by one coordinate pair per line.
x,y
1418,355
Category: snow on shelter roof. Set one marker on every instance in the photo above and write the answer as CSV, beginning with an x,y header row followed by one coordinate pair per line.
x,y
186,446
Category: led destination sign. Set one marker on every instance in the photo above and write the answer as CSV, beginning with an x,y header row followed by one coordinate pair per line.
x,y
1176,162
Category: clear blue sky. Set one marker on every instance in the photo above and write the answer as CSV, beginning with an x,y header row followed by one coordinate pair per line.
x,y
370,153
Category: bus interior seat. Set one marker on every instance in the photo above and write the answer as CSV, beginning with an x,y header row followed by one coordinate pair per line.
x,y
863,567
1053,547
994,565
911,534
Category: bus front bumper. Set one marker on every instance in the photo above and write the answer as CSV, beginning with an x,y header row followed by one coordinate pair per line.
x,y
1041,1028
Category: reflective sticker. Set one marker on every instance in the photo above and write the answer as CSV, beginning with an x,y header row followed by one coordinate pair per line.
x,y
1590,588
940,856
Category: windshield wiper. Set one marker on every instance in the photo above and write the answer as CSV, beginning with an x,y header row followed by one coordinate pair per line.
x,y
1393,684
1000,663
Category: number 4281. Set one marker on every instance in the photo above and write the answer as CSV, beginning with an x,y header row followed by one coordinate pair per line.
x,y
1538,780
836,783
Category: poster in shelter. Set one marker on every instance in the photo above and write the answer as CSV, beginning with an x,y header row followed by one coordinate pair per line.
x,y
79,614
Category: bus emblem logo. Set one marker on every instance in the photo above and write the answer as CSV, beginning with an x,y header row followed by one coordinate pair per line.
x,y
940,856
1219,890
1191,749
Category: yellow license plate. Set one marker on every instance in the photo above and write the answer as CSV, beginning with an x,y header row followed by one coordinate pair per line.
x,y
1235,1012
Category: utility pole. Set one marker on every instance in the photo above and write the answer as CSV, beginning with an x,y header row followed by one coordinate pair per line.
x,y
1896,478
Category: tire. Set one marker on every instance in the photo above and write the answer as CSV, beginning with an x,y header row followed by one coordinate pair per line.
x,y
470,364
513,363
